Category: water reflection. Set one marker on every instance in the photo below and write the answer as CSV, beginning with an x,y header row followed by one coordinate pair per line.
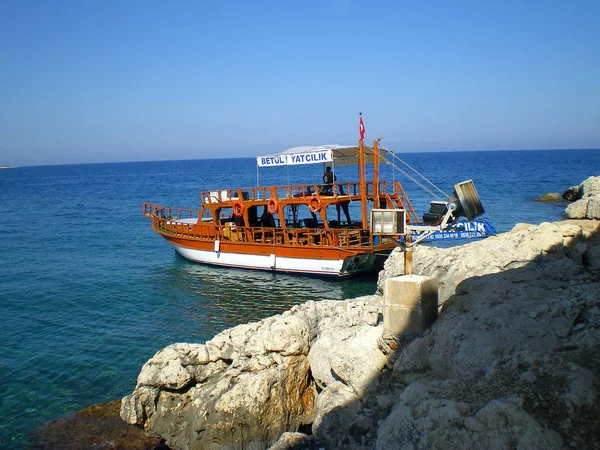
x,y
205,300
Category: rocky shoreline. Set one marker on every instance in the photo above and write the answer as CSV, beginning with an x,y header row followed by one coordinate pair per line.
x,y
511,362
97,426
585,199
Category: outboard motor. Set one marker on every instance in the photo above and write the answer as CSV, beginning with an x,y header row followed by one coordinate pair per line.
x,y
466,201
437,211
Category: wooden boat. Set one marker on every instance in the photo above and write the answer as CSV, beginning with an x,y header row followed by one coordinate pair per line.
x,y
291,228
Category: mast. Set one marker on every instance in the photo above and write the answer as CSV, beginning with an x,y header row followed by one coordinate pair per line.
x,y
361,163
363,184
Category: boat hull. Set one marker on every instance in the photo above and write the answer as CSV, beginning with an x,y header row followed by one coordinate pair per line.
x,y
276,262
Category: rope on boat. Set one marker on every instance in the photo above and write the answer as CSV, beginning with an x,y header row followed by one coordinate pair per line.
x,y
139,237
421,175
411,178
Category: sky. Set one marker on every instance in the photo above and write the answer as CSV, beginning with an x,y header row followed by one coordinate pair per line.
x,y
103,81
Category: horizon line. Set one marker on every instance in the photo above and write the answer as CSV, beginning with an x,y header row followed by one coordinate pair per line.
x,y
9,166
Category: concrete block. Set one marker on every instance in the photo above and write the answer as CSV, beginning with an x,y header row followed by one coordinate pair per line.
x,y
410,303
402,320
410,291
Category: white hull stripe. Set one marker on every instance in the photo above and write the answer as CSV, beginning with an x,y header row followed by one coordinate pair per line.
x,y
269,262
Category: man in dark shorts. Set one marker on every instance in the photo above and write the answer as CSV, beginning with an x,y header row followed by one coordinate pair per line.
x,y
328,176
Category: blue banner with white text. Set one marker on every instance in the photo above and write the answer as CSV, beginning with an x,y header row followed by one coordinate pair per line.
x,y
463,229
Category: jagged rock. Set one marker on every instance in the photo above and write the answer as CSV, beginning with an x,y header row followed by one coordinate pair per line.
x,y
520,246
419,421
512,361
549,197
534,339
572,194
471,335
586,199
250,384
293,440
590,187
95,427
336,396
586,208
227,395
350,356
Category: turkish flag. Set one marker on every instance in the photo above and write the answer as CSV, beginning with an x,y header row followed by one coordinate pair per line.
x,y
361,128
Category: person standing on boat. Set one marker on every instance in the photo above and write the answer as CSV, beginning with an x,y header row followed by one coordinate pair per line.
x,y
328,179
328,176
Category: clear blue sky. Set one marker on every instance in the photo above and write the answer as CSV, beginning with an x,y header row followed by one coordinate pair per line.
x,y
124,80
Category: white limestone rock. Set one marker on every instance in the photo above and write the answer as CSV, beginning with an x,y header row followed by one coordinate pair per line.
x,y
438,423
225,392
586,199
525,243
347,355
512,361
292,440
530,333
590,187
336,395
250,384
586,208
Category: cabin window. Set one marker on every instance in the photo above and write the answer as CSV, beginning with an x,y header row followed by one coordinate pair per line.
x,y
206,215
299,216
225,215
253,219
339,215
258,216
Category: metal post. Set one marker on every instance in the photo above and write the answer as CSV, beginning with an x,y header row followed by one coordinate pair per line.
x,y
408,261
408,255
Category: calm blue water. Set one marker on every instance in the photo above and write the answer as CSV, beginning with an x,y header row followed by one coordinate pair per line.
x,y
88,292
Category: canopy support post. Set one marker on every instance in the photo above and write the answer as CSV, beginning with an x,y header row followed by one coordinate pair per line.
x,y
257,182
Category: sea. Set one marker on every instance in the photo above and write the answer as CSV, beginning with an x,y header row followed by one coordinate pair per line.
x,y
88,293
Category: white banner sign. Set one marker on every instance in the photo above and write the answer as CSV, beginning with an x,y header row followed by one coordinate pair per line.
x,y
310,158
271,161
295,159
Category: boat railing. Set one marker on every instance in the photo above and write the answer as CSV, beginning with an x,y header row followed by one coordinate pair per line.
x,y
178,221
351,189
394,189
343,238
163,212
243,194
184,223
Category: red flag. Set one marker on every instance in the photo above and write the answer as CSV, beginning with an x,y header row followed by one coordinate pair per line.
x,y
361,128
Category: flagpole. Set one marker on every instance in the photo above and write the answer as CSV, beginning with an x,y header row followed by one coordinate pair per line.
x,y
376,173
361,162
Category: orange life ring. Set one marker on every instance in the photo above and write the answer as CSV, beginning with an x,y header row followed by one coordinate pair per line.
x,y
272,206
314,204
238,208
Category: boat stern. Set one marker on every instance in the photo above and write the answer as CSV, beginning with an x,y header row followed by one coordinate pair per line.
x,y
363,263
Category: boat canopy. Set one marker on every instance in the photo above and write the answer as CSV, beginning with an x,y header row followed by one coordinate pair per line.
x,y
340,155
